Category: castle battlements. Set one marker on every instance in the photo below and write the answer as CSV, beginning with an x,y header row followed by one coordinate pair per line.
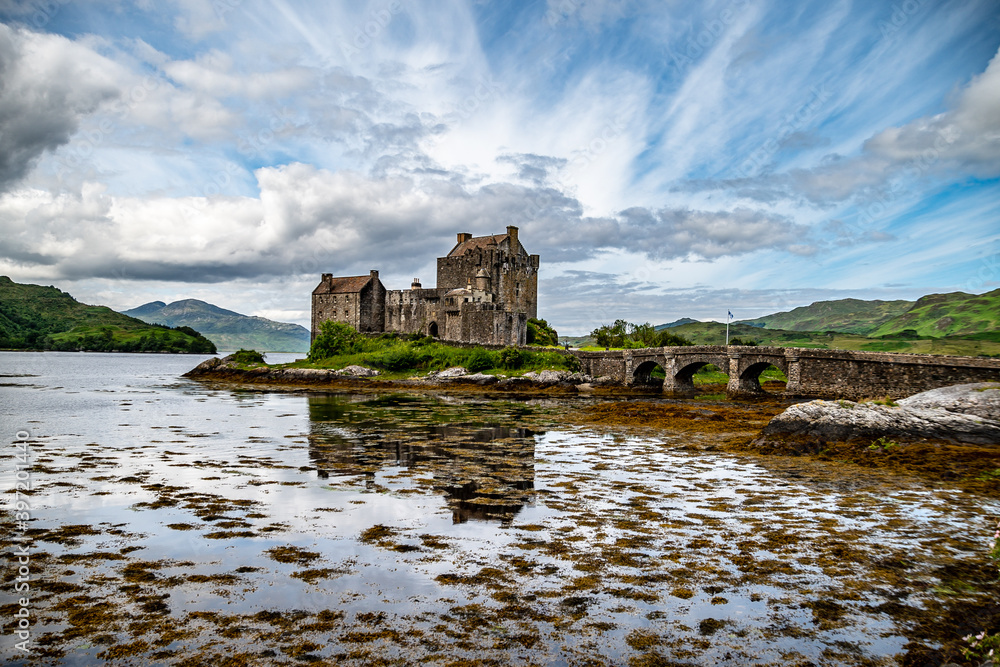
x,y
487,289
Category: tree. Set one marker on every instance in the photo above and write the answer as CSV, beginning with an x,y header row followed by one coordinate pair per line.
x,y
626,335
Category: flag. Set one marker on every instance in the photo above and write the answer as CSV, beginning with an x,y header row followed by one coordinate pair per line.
x,y
730,314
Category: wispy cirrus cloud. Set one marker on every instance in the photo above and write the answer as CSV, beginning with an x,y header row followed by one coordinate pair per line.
x,y
261,141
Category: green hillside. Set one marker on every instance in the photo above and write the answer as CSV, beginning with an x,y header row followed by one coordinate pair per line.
x,y
36,317
714,333
228,329
953,314
844,315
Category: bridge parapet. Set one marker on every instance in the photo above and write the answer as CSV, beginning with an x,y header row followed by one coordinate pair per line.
x,y
810,372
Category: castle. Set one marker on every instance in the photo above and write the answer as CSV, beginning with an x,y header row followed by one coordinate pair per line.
x,y
487,289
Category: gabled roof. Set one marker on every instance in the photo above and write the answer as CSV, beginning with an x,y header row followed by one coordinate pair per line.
x,y
476,243
343,285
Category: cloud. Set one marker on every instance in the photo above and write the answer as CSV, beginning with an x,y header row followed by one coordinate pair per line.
x,y
678,233
47,84
535,169
962,141
309,220
965,138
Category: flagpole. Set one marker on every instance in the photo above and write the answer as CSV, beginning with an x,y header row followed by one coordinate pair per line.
x,y
727,330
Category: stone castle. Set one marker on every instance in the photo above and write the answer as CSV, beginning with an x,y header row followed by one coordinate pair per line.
x,y
487,289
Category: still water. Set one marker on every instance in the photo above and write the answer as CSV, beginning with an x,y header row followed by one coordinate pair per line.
x,y
173,522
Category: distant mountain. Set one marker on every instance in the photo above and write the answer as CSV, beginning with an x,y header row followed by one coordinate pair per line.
x,y
952,314
37,317
843,315
675,323
229,330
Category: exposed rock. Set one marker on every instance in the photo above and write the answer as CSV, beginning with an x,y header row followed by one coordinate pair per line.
x,y
303,373
453,372
476,378
981,399
950,414
547,377
579,378
516,382
358,371
204,367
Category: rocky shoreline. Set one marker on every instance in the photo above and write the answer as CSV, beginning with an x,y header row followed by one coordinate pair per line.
x,y
228,370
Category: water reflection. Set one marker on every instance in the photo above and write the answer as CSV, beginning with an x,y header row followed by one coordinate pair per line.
x,y
486,471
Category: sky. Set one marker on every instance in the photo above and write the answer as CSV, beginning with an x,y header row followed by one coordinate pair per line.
x,y
665,159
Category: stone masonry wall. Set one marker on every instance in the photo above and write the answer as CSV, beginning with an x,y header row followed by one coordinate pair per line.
x,y
856,375
810,372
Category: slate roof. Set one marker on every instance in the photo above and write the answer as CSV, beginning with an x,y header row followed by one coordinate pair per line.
x,y
345,285
476,243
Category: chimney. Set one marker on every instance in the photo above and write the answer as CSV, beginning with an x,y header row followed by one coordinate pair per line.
x,y
415,284
463,237
512,233
374,274
327,277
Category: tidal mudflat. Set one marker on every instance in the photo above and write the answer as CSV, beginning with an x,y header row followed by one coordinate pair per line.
x,y
178,523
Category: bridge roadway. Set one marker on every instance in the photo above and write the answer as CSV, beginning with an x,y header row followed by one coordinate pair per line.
x,y
810,372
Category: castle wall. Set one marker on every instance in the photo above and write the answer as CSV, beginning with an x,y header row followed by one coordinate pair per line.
x,y
494,312
517,281
413,311
337,307
371,308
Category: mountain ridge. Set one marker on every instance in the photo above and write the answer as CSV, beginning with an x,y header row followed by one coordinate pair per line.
x,y
45,317
228,329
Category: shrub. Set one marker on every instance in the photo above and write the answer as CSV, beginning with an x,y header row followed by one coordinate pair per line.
x,y
481,359
511,358
334,338
248,357
738,341
398,358
540,333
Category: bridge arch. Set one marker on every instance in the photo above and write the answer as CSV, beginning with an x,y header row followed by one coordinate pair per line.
x,y
645,373
683,365
750,365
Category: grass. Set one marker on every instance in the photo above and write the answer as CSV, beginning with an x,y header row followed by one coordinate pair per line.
x,y
398,356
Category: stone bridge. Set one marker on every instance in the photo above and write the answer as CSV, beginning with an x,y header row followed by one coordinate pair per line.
x,y
810,372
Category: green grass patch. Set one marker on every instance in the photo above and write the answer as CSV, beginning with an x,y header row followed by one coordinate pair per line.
x,y
338,345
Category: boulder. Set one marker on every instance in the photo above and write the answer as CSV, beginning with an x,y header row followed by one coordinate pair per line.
x,y
981,399
547,377
357,371
453,372
476,378
303,373
953,414
204,367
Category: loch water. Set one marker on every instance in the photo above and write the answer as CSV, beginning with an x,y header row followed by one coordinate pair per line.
x,y
177,522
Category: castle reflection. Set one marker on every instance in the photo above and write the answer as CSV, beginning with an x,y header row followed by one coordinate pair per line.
x,y
486,471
